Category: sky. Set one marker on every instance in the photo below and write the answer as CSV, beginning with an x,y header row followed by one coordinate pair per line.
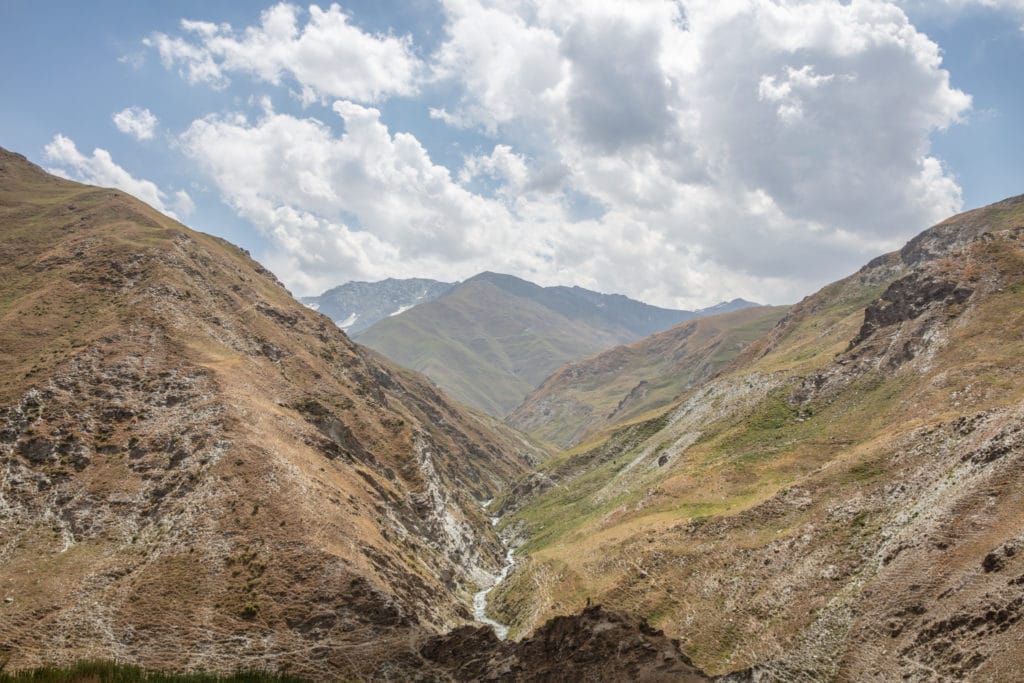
x,y
680,152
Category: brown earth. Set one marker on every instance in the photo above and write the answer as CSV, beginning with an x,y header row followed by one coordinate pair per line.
x,y
843,503
594,645
626,382
198,472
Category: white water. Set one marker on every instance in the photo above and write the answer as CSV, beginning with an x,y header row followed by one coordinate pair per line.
x,y
480,599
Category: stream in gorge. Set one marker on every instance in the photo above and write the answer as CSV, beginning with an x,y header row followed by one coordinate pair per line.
x,y
480,598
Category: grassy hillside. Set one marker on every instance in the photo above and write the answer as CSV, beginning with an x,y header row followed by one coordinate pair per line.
x,y
198,472
492,339
487,346
628,381
842,503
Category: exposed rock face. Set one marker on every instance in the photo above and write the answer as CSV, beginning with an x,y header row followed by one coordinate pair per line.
x,y
594,645
198,472
842,503
907,299
906,323
955,233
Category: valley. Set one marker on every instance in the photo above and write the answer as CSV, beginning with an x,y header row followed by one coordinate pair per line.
x,y
200,473
659,341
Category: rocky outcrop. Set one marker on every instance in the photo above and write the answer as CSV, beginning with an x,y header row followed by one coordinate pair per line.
x,y
905,325
907,299
355,306
593,645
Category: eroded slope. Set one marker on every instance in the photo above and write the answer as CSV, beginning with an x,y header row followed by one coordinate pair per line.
x,y
843,503
196,471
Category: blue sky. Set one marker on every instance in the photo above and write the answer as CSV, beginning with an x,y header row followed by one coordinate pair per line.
x,y
678,152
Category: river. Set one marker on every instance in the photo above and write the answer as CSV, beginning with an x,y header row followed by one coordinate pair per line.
x,y
480,598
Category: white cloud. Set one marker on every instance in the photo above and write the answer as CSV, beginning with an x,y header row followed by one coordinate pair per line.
x,y
510,170
326,57
100,169
314,193
370,204
681,152
182,203
138,122
778,140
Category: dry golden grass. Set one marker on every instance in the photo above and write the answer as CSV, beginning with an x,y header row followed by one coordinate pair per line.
x,y
199,472
766,537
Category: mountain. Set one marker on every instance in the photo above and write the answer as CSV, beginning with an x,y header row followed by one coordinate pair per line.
x,y
842,502
630,380
492,339
726,307
355,306
199,472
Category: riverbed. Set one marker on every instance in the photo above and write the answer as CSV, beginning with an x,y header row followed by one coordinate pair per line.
x,y
480,599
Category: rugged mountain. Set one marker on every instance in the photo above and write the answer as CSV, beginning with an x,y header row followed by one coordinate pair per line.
x,y
842,503
628,381
197,471
493,338
355,306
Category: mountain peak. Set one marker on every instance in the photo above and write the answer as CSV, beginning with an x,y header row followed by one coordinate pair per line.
x,y
355,306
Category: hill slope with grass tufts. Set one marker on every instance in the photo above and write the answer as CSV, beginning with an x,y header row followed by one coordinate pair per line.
x,y
628,381
843,502
199,472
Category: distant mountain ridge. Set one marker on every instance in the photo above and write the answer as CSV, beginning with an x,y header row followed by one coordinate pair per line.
x,y
355,306
489,341
609,310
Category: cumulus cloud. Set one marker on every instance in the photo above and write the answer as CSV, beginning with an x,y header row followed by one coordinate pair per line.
x,y
100,169
509,171
326,57
680,152
765,135
359,203
138,122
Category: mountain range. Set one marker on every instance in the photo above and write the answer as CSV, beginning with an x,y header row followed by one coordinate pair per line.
x,y
199,473
492,339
